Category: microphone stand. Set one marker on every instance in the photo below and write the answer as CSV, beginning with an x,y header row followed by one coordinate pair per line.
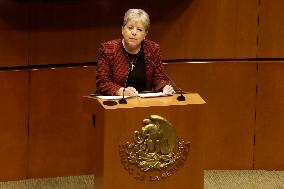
x,y
122,100
179,98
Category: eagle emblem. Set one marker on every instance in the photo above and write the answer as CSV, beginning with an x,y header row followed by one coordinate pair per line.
x,y
156,151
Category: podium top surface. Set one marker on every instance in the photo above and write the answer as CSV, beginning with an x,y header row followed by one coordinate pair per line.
x,y
136,102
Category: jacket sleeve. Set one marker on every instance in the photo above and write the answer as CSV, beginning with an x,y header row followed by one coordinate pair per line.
x,y
104,72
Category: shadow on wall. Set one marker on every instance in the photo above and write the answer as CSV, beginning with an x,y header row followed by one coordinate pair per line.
x,y
74,14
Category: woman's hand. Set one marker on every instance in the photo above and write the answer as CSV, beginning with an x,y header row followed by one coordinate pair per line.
x,y
128,91
169,90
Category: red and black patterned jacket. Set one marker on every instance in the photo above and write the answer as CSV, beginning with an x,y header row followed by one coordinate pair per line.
x,y
114,64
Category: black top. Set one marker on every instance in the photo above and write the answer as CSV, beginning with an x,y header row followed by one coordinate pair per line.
x,y
137,72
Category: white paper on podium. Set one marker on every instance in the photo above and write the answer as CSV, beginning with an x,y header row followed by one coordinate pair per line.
x,y
142,95
112,97
150,95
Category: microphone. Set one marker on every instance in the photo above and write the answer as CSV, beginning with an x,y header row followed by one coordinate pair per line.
x,y
123,100
179,98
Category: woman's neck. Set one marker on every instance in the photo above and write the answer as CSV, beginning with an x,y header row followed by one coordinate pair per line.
x,y
131,50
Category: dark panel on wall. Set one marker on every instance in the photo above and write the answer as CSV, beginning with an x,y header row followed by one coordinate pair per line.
x,y
207,29
13,34
271,29
71,31
269,153
60,132
14,124
228,119
167,26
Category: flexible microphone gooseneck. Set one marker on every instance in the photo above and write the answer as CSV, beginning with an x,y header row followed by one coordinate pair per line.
x,y
123,100
179,98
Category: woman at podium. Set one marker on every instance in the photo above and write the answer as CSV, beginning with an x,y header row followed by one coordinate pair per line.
x,y
133,63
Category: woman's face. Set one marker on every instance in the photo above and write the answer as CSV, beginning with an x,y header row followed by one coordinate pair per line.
x,y
133,33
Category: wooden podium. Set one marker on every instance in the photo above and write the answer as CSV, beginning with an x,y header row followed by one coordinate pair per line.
x,y
115,128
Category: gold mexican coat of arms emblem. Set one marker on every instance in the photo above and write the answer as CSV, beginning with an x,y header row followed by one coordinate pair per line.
x,y
156,151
